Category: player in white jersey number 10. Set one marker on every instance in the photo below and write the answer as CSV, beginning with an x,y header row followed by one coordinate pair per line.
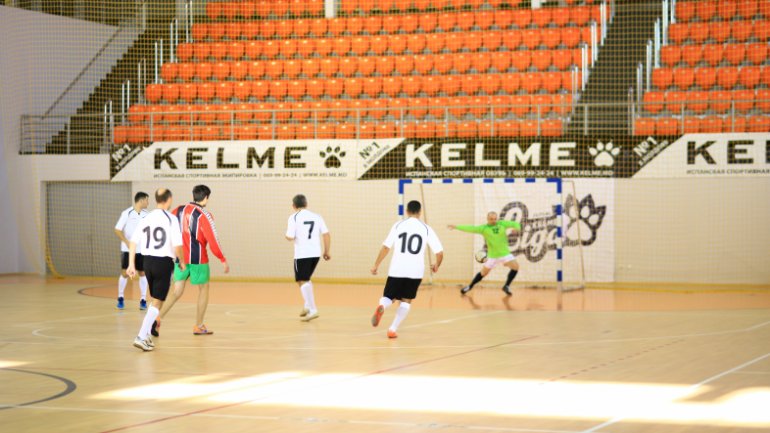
x,y
409,239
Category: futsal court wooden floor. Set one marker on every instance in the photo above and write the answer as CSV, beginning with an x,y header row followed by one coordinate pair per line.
x,y
626,360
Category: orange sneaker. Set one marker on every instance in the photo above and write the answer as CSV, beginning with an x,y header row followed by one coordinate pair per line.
x,y
201,330
392,334
378,315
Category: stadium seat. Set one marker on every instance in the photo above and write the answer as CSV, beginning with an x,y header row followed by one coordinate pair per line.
x,y
450,84
512,39
678,32
344,131
699,32
404,64
286,131
416,43
756,53
762,100
644,126
542,104
712,124
265,132
501,61
306,47
391,86
551,128
397,44
692,54
470,84
521,60
754,124
748,76
510,83
385,65
735,54
411,85
666,126
713,54
542,59
670,55
719,101
720,31
705,78
233,30
764,76
531,82
521,104
472,41
250,29
267,29
423,64
461,63
348,66
551,38
523,17
743,100
697,101
727,77
256,69
531,38
691,125
489,83
243,112
706,9
662,78
217,31
684,78
675,101
318,27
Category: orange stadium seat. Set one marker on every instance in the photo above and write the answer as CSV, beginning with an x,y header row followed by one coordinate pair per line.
x,y
706,9
749,76
344,131
221,70
442,63
670,55
712,124
185,51
531,38
411,85
719,100
699,32
216,31
531,82
465,21
691,125
409,23
354,25
705,78
188,92
170,92
204,70
644,126
418,107
510,83
507,128
754,124
542,104
296,88
397,44
756,53
450,84
522,17
271,48
404,64
428,22
423,64
735,53
692,54
318,26
274,68
685,10
256,69
713,54
551,127
678,32
662,78
306,47
367,65
742,30
521,104
501,60
385,65
470,84
252,49
372,24
454,41
233,30
224,90
743,99
720,31
484,19
529,128
199,31
490,83
481,62
348,66
762,100
503,18
675,101
697,101
461,62
169,71
250,29
242,90
727,77
267,29
218,50
542,17
521,60
447,21
580,15
201,51
542,59
666,126
512,39
353,87
435,42
472,41
552,81
416,43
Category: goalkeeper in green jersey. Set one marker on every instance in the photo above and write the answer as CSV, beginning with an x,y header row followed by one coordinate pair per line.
x,y
496,237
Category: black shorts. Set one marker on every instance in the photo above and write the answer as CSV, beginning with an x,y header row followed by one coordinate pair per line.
x,y
304,268
401,288
138,258
158,271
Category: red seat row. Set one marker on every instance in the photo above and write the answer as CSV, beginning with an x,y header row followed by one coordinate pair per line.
x,y
569,37
707,10
290,131
719,101
726,77
262,8
392,86
367,66
714,54
497,106
719,31
673,126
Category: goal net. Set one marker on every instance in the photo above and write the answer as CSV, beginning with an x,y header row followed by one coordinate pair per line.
x,y
559,242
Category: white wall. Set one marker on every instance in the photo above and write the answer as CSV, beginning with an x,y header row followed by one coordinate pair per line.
x,y
39,56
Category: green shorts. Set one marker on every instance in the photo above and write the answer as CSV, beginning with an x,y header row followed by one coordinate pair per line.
x,y
198,274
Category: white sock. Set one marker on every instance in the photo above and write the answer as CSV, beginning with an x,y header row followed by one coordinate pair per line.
x,y
401,313
307,293
143,286
385,302
122,286
149,318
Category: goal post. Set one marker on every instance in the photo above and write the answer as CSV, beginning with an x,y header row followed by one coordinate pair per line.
x,y
539,204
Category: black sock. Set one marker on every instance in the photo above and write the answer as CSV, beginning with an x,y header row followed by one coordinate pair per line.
x,y
511,276
476,279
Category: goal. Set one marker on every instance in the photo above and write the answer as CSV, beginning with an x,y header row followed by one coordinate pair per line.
x,y
547,209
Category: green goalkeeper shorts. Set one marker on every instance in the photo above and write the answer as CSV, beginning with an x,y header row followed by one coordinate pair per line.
x,y
197,274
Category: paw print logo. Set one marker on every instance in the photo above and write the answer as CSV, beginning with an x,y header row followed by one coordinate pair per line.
x,y
332,157
588,215
604,154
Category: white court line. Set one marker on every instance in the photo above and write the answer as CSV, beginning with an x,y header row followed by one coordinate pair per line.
x,y
307,420
686,391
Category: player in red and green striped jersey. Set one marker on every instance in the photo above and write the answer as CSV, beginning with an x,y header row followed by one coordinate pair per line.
x,y
496,236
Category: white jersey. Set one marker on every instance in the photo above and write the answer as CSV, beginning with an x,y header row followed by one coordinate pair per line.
x,y
409,239
127,222
306,228
158,234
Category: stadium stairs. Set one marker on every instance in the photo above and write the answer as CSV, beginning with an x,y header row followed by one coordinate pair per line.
x,y
86,132
615,70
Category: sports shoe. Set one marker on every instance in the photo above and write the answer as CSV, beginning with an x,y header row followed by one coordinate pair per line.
x,y
507,290
310,316
465,290
392,334
142,344
142,304
201,330
154,329
149,341
120,303
378,315
304,312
